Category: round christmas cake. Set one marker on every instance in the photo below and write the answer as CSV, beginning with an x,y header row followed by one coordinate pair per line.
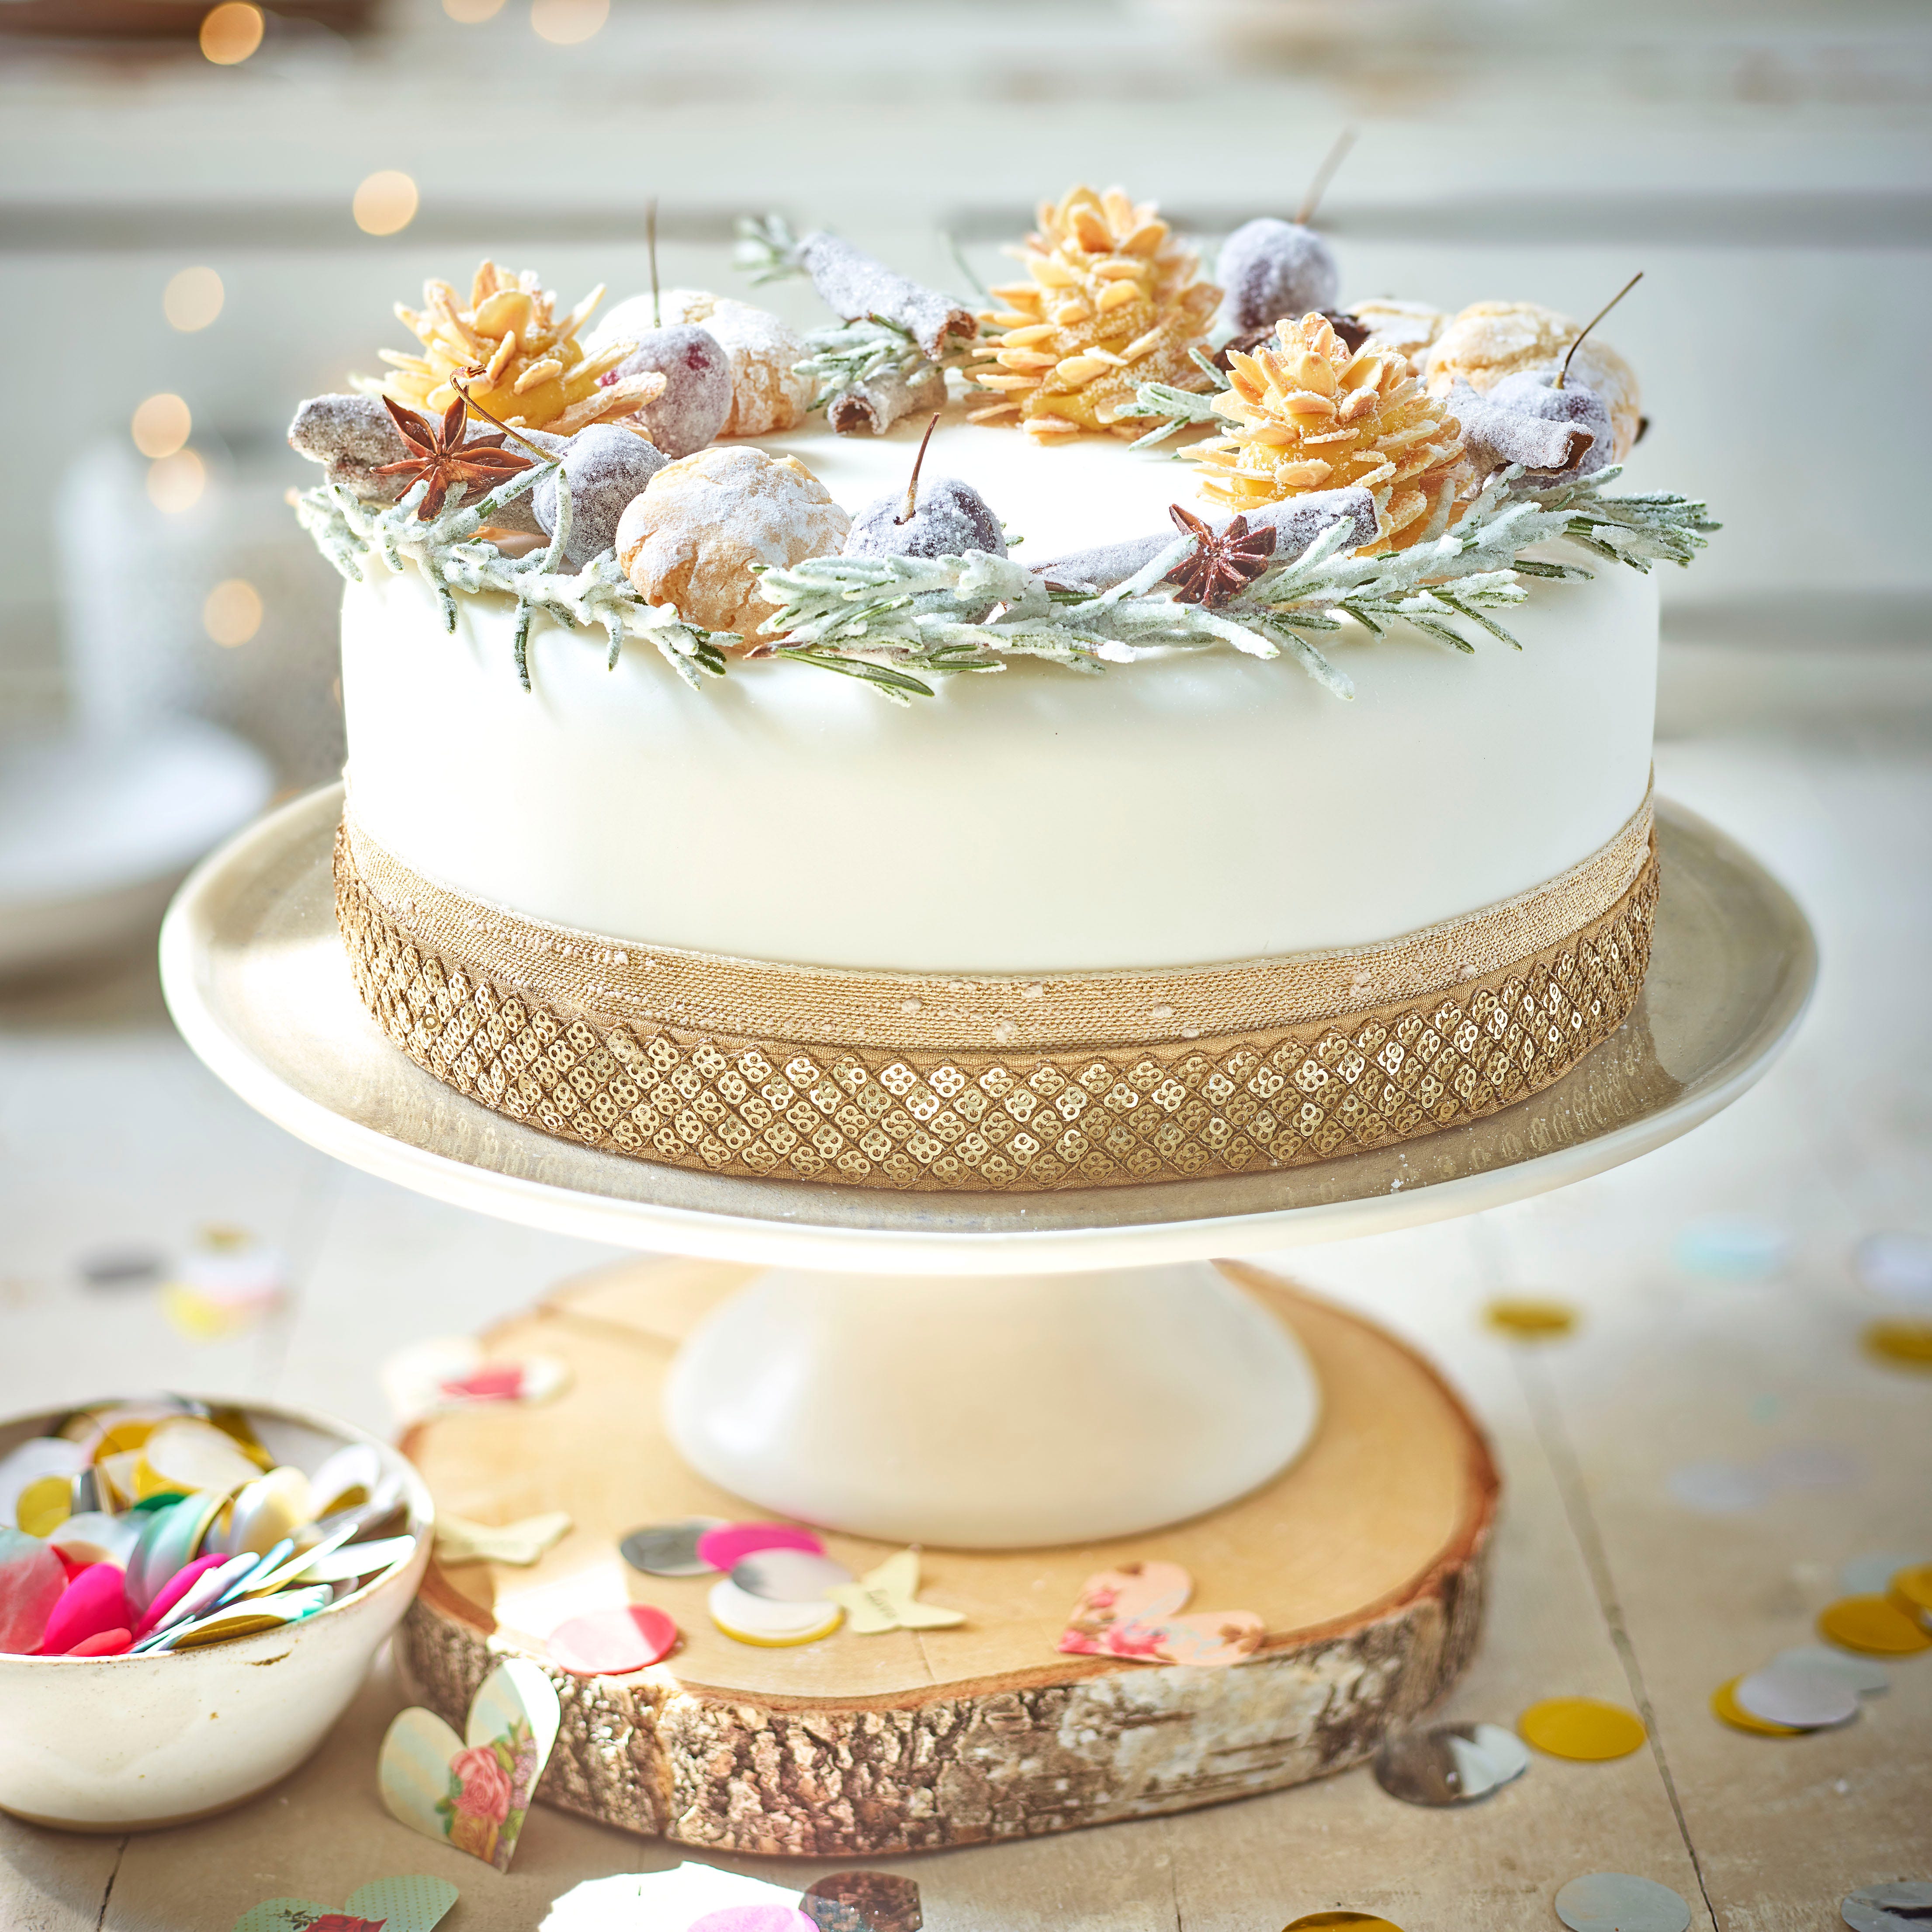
x,y
1235,752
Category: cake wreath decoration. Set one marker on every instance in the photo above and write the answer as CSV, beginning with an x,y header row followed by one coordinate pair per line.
x,y
1212,468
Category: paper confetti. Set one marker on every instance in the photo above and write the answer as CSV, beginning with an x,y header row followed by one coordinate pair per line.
x,y
613,1643
728,1546
473,1791
1622,1902
1900,1344
1724,1704
1724,1489
1732,1247
662,1901
454,1372
771,1626
411,1903
671,1549
1897,1267
1584,1728
1530,1320
1449,1764
863,1901
1130,1613
1799,1695
1357,1921
520,1544
1905,1906
1875,1625
223,1285
887,1599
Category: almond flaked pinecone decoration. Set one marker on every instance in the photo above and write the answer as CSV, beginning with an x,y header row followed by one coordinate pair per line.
x,y
1308,413
514,355
1113,301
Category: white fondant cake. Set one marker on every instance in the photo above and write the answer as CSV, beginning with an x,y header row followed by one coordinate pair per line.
x,y
1190,809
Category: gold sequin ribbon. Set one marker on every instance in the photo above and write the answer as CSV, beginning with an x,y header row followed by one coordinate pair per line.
x,y
745,1067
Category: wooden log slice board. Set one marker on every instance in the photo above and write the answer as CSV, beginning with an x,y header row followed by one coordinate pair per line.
x,y
1365,1561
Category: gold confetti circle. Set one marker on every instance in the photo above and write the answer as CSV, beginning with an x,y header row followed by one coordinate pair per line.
x,y
1364,1922
44,1504
231,32
1912,1590
232,612
192,299
1585,1728
1873,1624
385,202
1908,1343
1724,1704
1530,1318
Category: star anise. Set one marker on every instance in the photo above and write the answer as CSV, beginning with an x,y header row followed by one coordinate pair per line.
x,y
1218,566
448,454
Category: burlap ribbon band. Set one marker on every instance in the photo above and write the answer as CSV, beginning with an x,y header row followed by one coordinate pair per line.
x,y
928,1081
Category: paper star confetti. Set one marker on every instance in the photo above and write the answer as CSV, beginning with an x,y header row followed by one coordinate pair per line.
x,y
519,1544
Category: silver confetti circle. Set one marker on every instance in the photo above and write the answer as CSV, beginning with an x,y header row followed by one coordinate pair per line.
x,y
671,1549
1621,1902
1896,1265
1904,1907
1449,1764
1798,1694
1871,1575
1865,1675
789,1576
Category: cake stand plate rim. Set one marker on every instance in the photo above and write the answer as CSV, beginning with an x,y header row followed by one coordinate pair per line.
x,y
250,936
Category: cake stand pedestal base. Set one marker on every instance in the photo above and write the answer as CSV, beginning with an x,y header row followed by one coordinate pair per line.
x,y
992,1413
1364,1558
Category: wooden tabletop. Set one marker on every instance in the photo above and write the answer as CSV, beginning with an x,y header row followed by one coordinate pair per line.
x,y
1604,1582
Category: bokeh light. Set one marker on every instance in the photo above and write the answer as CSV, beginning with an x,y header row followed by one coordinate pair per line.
x,y
385,203
175,484
231,32
161,425
232,613
192,299
472,12
565,22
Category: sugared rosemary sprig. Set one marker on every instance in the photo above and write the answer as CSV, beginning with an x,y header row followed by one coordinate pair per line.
x,y
450,554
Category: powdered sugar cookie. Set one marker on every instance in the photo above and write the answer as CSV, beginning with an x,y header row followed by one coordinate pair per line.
x,y
692,537
1405,328
1488,340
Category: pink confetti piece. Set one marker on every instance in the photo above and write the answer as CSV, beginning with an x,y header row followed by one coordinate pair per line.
x,y
613,1643
725,1549
94,1603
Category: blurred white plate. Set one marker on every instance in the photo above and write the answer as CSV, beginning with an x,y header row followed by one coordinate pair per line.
x,y
96,833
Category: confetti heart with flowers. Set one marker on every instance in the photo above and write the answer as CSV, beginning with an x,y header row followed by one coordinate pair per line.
x,y
1129,1613
474,1792
410,1903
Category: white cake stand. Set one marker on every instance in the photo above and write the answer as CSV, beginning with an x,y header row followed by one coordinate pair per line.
x,y
1081,1372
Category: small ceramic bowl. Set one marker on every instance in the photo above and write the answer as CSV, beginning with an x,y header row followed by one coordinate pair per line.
x,y
128,1744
